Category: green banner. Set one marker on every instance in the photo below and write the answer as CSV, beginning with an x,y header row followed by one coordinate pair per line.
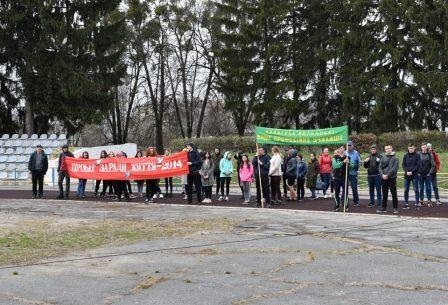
x,y
336,135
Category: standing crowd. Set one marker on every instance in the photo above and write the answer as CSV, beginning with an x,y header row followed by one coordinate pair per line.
x,y
208,171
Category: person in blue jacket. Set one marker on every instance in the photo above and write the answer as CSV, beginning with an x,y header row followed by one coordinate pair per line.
x,y
302,169
226,169
354,161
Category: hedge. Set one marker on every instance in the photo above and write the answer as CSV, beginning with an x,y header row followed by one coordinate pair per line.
x,y
401,140
362,142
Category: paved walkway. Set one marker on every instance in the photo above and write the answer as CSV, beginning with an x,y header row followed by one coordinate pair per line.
x,y
270,257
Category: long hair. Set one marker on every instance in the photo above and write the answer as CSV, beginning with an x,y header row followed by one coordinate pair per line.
x,y
85,155
151,152
247,162
103,154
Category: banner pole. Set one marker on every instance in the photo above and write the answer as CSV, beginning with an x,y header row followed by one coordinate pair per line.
x,y
346,180
259,178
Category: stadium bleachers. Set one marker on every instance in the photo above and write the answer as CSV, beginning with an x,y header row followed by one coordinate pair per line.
x,y
15,151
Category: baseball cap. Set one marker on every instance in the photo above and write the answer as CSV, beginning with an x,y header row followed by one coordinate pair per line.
x,y
64,146
350,143
373,146
38,145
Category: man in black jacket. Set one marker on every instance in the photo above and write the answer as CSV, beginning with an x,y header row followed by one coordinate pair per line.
x,y
411,163
193,177
373,176
261,163
38,166
388,170
63,173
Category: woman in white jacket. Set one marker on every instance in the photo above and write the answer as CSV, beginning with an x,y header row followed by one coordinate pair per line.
x,y
275,172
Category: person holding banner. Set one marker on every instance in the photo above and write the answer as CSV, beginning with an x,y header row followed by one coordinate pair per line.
x,y
63,173
261,163
354,159
151,184
103,155
193,177
139,182
339,164
121,185
81,192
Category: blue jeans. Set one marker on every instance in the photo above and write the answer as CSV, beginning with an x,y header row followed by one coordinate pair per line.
x,y
375,183
407,186
434,186
353,179
326,181
425,185
81,188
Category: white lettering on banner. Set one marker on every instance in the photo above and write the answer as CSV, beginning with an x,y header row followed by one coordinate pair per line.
x,y
85,168
172,165
113,168
143,167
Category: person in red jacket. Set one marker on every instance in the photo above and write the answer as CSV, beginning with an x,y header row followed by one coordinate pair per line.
x,y
325,161
438,165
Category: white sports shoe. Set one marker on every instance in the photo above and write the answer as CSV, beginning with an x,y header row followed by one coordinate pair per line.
x,y
227,198
221,198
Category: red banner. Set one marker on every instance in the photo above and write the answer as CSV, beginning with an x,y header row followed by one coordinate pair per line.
x,y
128,168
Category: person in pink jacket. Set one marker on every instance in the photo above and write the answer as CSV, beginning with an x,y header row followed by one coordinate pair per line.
x,y
325,170
246,177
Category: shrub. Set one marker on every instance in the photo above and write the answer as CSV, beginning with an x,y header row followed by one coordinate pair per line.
x,y
363,141
233,143
400,140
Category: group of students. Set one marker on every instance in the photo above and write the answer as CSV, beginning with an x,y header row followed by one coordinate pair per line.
x,y
207,169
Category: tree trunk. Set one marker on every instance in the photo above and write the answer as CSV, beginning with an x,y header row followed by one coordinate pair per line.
x,y
29,117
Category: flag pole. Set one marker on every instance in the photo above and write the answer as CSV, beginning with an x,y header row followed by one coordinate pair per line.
x,y
259,178
346,179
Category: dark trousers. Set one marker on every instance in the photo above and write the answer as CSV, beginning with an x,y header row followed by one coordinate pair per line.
x,y
353,180
326,181
285,185
61,176
108,184
300,187
276,192
128,185
97,186
390,184
37,177
208,191
264,188
121,189
217,175
194,178
169,185
151,188
225,181
339,192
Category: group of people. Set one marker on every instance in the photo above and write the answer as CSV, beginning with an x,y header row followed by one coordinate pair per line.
x,y
326,172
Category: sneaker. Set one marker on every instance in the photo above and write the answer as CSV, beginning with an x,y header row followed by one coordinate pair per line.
x,y
245,202
429,203
438,202
221,198
381,211
325,196
312,197
406,207
395,211
146,200
185,197
160,195
371,205
227,198
356,204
